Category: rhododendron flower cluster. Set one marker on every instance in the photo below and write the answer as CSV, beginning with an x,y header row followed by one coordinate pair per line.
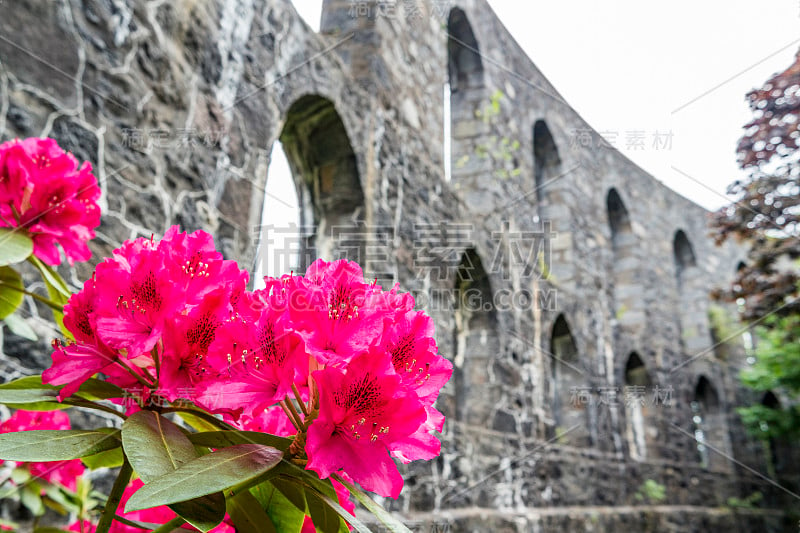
x,y
64,473
349,370
44,192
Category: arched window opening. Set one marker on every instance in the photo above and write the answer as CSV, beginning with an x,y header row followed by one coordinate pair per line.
x,y
684,254
464,66
709,426
545,157
281,236
641,431
629,308
570,392
476,342
464,96
778,450
618,218
321,156
692,302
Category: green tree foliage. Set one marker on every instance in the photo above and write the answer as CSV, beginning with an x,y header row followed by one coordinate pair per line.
x,y
777,368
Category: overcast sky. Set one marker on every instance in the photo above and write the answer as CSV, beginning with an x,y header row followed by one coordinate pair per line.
x,y
634,68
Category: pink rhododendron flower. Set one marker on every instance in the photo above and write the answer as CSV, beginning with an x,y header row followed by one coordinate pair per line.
x,y
75,363
44,192
272,420
257,359
64,473
332,311
186,343
137,300
171,319
196,267
363,411
151,299
409,341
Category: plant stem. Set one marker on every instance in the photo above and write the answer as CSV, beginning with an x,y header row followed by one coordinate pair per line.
x,y
173,524
92,405
296,423
114,498
130,371
291,407
131,523
157,359
300,399
199,414
50,303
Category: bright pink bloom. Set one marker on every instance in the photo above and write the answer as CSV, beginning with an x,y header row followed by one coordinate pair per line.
x,y
44,192
136,299
186,342
197,268
257,358
151,298
409,340
363,412
76,362
64,473
147,284
331,308
272,420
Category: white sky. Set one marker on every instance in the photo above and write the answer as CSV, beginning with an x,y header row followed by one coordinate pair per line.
x,y
631,66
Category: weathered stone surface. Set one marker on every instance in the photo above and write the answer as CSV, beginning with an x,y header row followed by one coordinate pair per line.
x,y
177,105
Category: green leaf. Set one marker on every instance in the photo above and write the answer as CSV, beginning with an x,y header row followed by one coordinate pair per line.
x,y
27,382
248,516
11,288
223,439
50,276
325,518
57,290
23,396
155,446
291,473
20,327
196,422
97,389
333,503
30,498
20,476
292,492
31,394
210,473
285,515
56,499
386,518
108,459
15,246
55,445
91,389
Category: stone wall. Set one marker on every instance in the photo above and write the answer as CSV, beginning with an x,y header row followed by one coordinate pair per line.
x,y
545,257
